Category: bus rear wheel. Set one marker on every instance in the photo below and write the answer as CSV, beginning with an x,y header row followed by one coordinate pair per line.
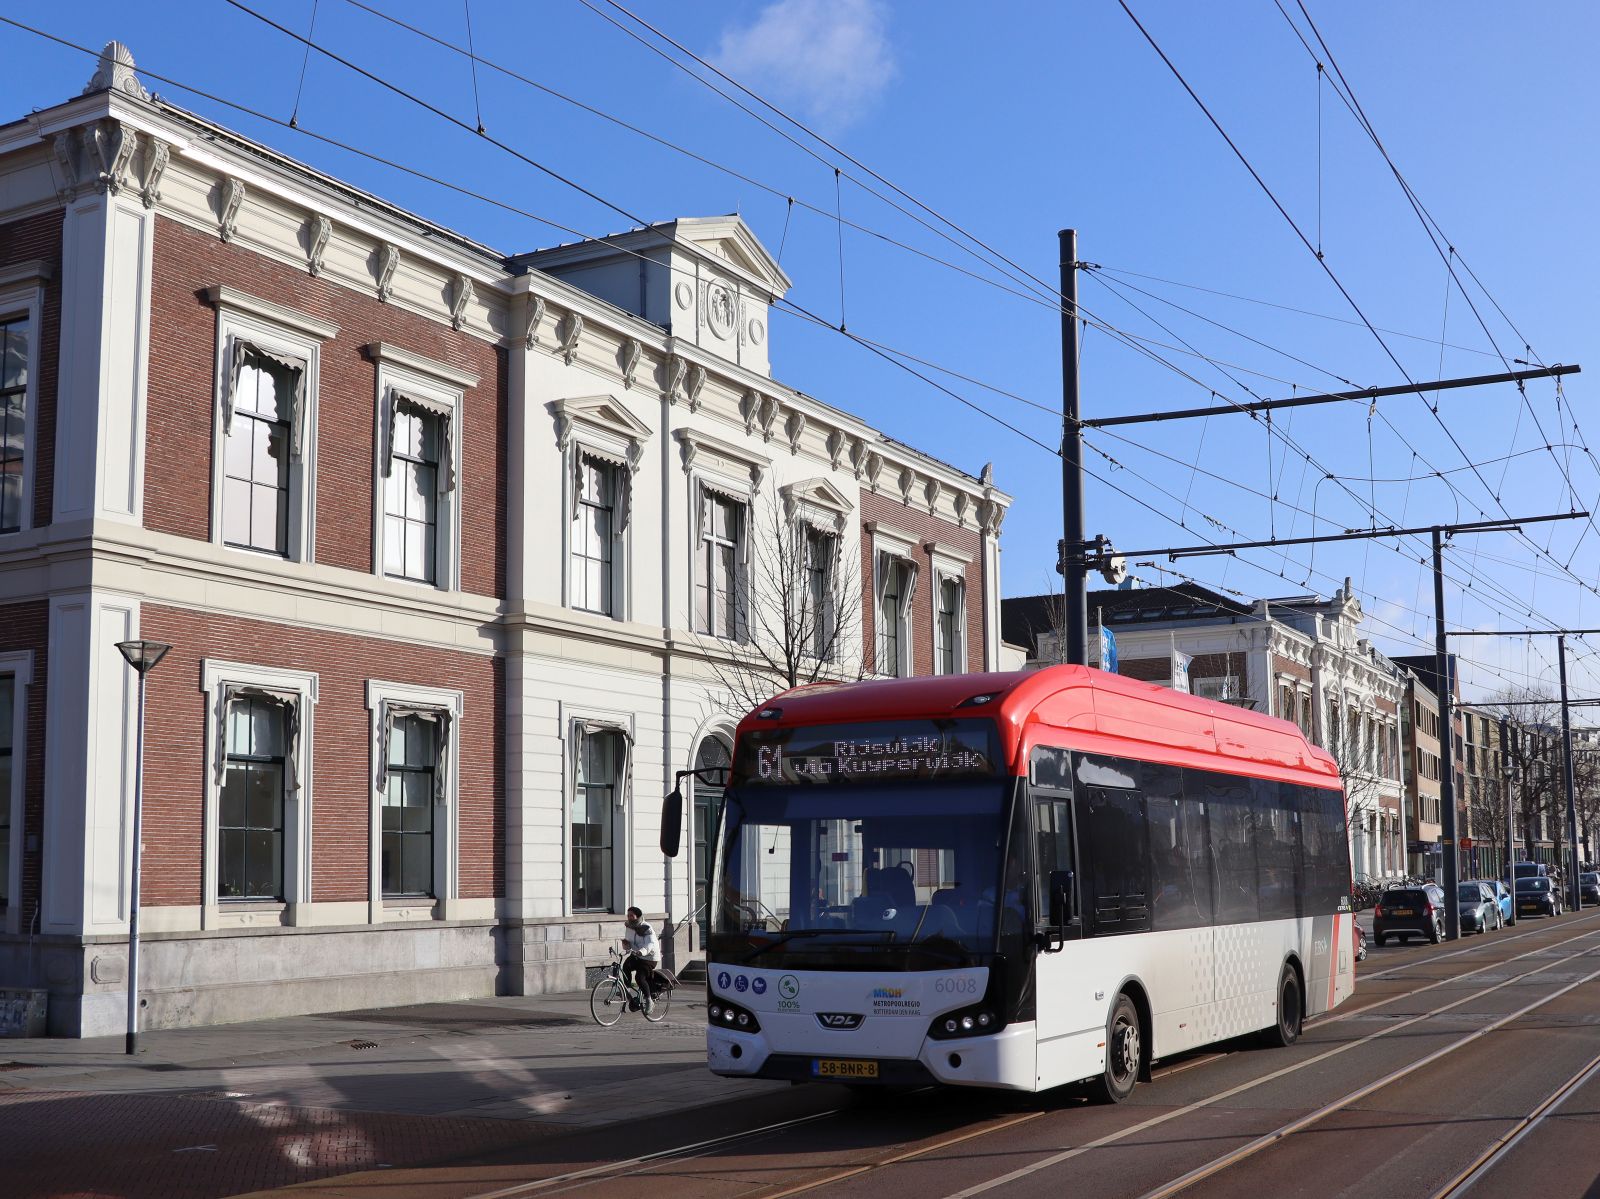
x,y
1124,1053
1291,1012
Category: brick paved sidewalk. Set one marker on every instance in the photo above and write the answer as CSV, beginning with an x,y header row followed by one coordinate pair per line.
x,y
216,1111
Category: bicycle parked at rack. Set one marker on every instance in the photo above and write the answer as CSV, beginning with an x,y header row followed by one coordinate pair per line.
x,y
614,994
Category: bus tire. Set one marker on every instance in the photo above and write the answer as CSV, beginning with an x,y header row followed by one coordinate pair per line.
x,y
1124,1053
1285,1031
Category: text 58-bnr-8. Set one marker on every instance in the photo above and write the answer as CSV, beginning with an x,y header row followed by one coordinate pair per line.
x,y
1019,880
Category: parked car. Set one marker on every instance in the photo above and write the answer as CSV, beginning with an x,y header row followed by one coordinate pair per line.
x,y
1529,869
1536,897
1358,936
1409,911
1589,887
1479,911
1502,895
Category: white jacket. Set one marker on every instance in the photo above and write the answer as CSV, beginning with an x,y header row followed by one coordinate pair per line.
x,y
642,940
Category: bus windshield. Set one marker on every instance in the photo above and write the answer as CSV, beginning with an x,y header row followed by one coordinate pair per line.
x,y
860,877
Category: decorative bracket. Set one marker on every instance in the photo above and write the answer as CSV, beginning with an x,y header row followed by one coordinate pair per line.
x,y
460,297
232,201
388,263
318,230
628,355
155,166
694,383
836,444
571,331
530,329
795,426
673,369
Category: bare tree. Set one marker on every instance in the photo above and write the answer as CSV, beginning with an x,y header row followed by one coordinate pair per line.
x,y
799,613
1533,762
1363,788
1586,789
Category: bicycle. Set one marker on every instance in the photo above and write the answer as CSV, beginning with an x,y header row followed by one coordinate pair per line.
x,y
613,995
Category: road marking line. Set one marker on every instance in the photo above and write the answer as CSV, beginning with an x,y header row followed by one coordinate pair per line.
x,y
1201,1173
1111,1138
1475,1173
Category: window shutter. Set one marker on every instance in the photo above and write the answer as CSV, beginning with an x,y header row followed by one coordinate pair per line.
x,y
289,701
440,719
297,397
445,414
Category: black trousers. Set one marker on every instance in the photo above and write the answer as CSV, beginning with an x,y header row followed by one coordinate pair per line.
x,y
638,970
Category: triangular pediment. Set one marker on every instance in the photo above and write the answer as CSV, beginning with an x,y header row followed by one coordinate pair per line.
x,y
818,493
603,412
730,240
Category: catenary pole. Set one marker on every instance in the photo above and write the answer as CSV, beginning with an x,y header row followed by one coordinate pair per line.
x,y
1075,592
1574,892
1505,778
1447,761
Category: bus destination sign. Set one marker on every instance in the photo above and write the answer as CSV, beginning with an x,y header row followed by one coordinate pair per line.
x,y
885,751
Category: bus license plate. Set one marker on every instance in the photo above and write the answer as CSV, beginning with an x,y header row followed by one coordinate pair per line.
x,y
829,1067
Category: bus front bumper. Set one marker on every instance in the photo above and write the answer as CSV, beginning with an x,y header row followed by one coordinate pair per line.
x,y
1005,1059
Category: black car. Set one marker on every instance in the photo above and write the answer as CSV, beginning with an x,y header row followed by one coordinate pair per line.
x,y
1589,887
1409,911
1536,897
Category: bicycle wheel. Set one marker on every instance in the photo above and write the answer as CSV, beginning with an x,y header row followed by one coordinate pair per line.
x,y
607,1002
657,1012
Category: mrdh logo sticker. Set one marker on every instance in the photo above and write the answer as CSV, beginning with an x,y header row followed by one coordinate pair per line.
x,y
893,1001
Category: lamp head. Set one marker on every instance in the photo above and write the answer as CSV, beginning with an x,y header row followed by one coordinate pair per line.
x,y
143,655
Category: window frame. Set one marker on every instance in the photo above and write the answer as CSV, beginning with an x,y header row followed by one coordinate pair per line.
x,y
826,627
948,565
602,428
22,297
16,665
276,330
578,724
742,505
888,546
440,389
382,697
298,807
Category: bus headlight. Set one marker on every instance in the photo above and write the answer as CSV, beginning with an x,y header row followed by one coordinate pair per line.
x,y
722,1014
969,1022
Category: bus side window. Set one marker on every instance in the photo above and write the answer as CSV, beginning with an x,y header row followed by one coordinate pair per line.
x,y
1115,860
1053,828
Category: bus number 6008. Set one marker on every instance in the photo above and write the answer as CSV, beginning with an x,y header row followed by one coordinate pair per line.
x,y
956,986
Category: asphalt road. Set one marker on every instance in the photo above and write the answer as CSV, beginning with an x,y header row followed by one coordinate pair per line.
x,y
1466,1068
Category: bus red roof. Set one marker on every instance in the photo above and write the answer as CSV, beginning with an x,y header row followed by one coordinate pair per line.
x,y
1079,708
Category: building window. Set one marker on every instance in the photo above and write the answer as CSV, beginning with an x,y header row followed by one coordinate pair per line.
x,y
601,766
15,356
8,700
818,627
595,530
250,824
255,482
411,493
719,566
410,788
952,603
896,581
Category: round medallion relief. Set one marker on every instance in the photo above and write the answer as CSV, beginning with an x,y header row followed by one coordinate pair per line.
x,y
758,333
684,294
720,310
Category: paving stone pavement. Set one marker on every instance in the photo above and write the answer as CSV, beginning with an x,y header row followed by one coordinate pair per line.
x,y
216,1111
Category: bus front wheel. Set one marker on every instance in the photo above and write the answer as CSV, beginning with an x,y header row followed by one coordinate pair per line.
x,y
1124,1052
1291,1011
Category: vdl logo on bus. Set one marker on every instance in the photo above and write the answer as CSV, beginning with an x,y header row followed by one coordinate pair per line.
x,y
844,1021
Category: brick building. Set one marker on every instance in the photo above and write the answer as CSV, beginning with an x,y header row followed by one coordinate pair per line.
x,y
448,545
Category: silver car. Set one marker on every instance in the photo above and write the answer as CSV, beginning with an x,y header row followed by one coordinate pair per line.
x,y
1480,911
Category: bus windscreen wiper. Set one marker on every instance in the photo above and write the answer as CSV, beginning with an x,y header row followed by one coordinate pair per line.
x,y
886,935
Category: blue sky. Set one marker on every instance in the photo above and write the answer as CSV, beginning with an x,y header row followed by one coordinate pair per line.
x,y
1014,120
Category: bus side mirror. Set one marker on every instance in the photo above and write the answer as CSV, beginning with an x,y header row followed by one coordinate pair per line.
x,y
1061,905
672,823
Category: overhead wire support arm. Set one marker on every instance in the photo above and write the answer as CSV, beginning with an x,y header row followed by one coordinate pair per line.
x,y
1229,547
1335,397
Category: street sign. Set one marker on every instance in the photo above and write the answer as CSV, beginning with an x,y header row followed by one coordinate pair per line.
x,y
1466,842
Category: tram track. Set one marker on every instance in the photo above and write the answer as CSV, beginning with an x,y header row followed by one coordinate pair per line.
x,y
610,1173
1281,1133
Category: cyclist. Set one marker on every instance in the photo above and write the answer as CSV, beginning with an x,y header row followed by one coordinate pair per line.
x,y
642,952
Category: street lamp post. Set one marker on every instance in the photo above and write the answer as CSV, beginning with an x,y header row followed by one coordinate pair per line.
x,y
142,656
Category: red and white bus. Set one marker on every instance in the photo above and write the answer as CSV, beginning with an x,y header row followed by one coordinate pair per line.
x,y
1018,881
